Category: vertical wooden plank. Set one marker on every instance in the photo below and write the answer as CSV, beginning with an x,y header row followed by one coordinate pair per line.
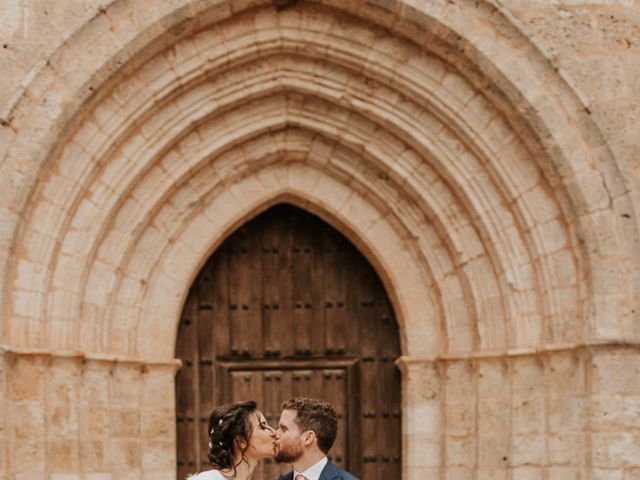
x,y
253,307
271,288
186,388
334,391
285,318
334,289
369,377
318,333
236,275
206,339
357,266
274,394
354,420
301,380
246,292
390,397
315,388
302,271
219,271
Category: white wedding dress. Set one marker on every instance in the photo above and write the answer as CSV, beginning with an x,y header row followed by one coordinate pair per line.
x,y
209,475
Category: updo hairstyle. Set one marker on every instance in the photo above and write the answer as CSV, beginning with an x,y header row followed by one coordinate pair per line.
x,y
228,425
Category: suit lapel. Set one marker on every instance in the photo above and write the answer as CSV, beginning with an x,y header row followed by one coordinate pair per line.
x,y
329,472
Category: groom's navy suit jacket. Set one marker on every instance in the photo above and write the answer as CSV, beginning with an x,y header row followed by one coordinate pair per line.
x,y
329,472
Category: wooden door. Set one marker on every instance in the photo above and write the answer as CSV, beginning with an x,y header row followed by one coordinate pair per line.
x,y
287,306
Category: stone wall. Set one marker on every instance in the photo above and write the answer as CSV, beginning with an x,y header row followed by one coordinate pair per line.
x,y
557,415
593,43
71,417
483,155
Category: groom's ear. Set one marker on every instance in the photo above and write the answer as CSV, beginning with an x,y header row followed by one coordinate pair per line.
x,y
308,437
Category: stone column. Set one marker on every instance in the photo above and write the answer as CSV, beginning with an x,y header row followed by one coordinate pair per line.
x,y
422,418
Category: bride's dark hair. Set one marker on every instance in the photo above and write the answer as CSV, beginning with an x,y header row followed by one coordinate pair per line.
x,y
229,429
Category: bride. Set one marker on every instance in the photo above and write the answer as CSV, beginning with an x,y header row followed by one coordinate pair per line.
x,y
239,438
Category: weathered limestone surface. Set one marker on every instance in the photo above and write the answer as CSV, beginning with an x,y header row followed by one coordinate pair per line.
x,y
568,414
482,154
75,417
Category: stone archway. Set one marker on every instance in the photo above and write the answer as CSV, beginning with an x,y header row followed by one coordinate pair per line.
x,y
287,306
441,151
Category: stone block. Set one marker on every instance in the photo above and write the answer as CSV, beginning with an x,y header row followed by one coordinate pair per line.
x,y
418,472
631,411
494,417
528,376
29,453
493,378
567,449
619,31
27,379
94,421
159,475
460,381
567,414
424,383
125,385
529,450
460,417
63,419
616,373
615,450
460,451
158,389
27,417
493,474
125,422
459,473
158,454
528,473
425,418
494,451
125,455
564,473
605,412
158,423
423,451
4,448
549,237
529,415
63,455
565,373
606,474
94,456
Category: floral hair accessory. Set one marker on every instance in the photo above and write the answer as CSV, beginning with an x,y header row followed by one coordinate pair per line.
x,y
213,429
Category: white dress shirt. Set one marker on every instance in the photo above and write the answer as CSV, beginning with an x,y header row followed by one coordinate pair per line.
x,y
314,471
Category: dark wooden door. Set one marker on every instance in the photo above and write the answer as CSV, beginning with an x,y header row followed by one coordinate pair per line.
x,y
285,307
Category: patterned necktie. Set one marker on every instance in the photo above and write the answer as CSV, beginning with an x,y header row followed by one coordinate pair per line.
x,y
300,477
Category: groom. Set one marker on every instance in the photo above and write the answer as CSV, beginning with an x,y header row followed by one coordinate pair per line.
x,y
305,434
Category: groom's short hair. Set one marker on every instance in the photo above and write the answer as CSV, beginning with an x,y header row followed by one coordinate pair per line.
x,y
315,415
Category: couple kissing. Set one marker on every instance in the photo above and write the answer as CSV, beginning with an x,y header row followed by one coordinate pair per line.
x,y
240,437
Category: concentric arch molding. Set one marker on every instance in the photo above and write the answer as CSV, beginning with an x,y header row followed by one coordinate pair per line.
x,y
506,216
